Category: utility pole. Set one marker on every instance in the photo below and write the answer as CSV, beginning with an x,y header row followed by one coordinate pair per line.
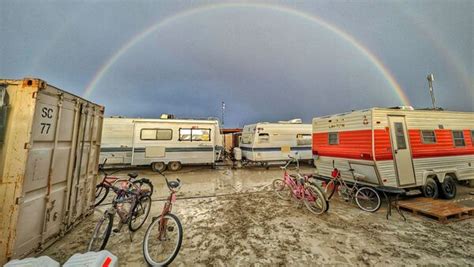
x,y
223,112
430,84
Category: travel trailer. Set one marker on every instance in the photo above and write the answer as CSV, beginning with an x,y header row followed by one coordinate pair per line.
x,y
265,142
399,147
49,153
161,143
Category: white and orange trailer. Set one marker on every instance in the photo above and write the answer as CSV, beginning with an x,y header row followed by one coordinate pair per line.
x,y
399,147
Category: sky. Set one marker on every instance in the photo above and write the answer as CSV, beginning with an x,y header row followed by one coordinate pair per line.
x,y
267,60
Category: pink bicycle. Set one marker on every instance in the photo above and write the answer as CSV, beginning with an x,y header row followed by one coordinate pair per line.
x,y
299,188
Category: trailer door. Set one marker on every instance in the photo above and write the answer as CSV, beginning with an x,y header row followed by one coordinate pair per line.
x,y
401,150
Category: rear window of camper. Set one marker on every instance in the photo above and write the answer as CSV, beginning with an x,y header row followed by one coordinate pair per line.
x,y
156,134
263,138
458,138
333,138
303,139
428,137
188,134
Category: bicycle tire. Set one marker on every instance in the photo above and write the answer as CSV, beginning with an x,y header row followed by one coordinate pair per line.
x,y
99,189
147,182
319,197
329,189
364,193
107,216
281,189
172,256
135,210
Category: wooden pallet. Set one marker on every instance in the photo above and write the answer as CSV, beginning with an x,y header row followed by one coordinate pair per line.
x,y
441,210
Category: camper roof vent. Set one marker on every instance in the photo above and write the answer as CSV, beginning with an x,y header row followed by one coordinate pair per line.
x,y
292,121
403,107
165,116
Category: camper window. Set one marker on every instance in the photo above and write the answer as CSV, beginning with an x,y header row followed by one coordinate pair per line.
x,y
201,134
303,139
194,134
263,138
458,137
472,137
333,138
428,137
400,135
156,134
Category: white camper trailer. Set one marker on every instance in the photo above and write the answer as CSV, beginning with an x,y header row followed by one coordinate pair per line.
x,y
265,142
161,143
399,147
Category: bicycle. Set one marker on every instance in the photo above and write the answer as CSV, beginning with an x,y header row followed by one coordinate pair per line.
x,y
127,194
164,235
366,198
299,188
102,189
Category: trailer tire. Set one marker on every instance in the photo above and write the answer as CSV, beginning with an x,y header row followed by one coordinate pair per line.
x,y
430,189
158,166
448,187
174,166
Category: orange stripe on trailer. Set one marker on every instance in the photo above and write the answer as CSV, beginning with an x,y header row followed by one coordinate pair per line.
x,y
358,145
107,262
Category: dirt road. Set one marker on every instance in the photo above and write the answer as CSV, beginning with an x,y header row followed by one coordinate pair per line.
x,y
236,221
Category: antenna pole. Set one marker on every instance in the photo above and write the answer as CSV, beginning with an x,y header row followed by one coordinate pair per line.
x,y
223,112
430,84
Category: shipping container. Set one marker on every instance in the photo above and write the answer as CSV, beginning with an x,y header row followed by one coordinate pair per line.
x,y
49,152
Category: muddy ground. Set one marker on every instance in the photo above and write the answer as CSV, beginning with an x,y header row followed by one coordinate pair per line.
x,y
231,218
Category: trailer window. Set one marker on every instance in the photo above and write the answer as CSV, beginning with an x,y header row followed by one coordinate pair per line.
x,y
333,138
428,137
156,134
303,139
472,137
263,138
194,134
201,134
458,138
400,135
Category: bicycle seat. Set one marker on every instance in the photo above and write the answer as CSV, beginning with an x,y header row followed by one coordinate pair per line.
x,y
133,175
173,184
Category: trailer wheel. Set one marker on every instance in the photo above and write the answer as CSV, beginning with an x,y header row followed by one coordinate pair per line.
x,y
158,166
430,189
174,166
448,187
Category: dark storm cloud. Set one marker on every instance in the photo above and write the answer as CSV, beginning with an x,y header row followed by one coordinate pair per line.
x,y
265,65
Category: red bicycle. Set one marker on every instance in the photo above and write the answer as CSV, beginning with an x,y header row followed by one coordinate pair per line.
x,y
102,189
164,235
299,188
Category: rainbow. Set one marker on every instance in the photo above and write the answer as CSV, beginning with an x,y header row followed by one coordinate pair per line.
x,y
286,10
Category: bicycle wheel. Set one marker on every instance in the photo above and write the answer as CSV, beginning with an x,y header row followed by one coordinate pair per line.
x,y
101,234
145,185
314,199
330,189
140,212
162,240
281,189
101,192
367,199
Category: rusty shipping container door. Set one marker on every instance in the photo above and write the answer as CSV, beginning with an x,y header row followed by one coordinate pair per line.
x,y
50,156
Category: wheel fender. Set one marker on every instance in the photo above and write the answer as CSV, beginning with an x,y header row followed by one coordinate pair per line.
x,y
440,174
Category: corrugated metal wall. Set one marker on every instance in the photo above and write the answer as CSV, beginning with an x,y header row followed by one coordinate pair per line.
x,y
50,158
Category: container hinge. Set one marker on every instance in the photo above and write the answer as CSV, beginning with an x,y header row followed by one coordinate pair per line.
x,y
27,146
19,200
34,95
